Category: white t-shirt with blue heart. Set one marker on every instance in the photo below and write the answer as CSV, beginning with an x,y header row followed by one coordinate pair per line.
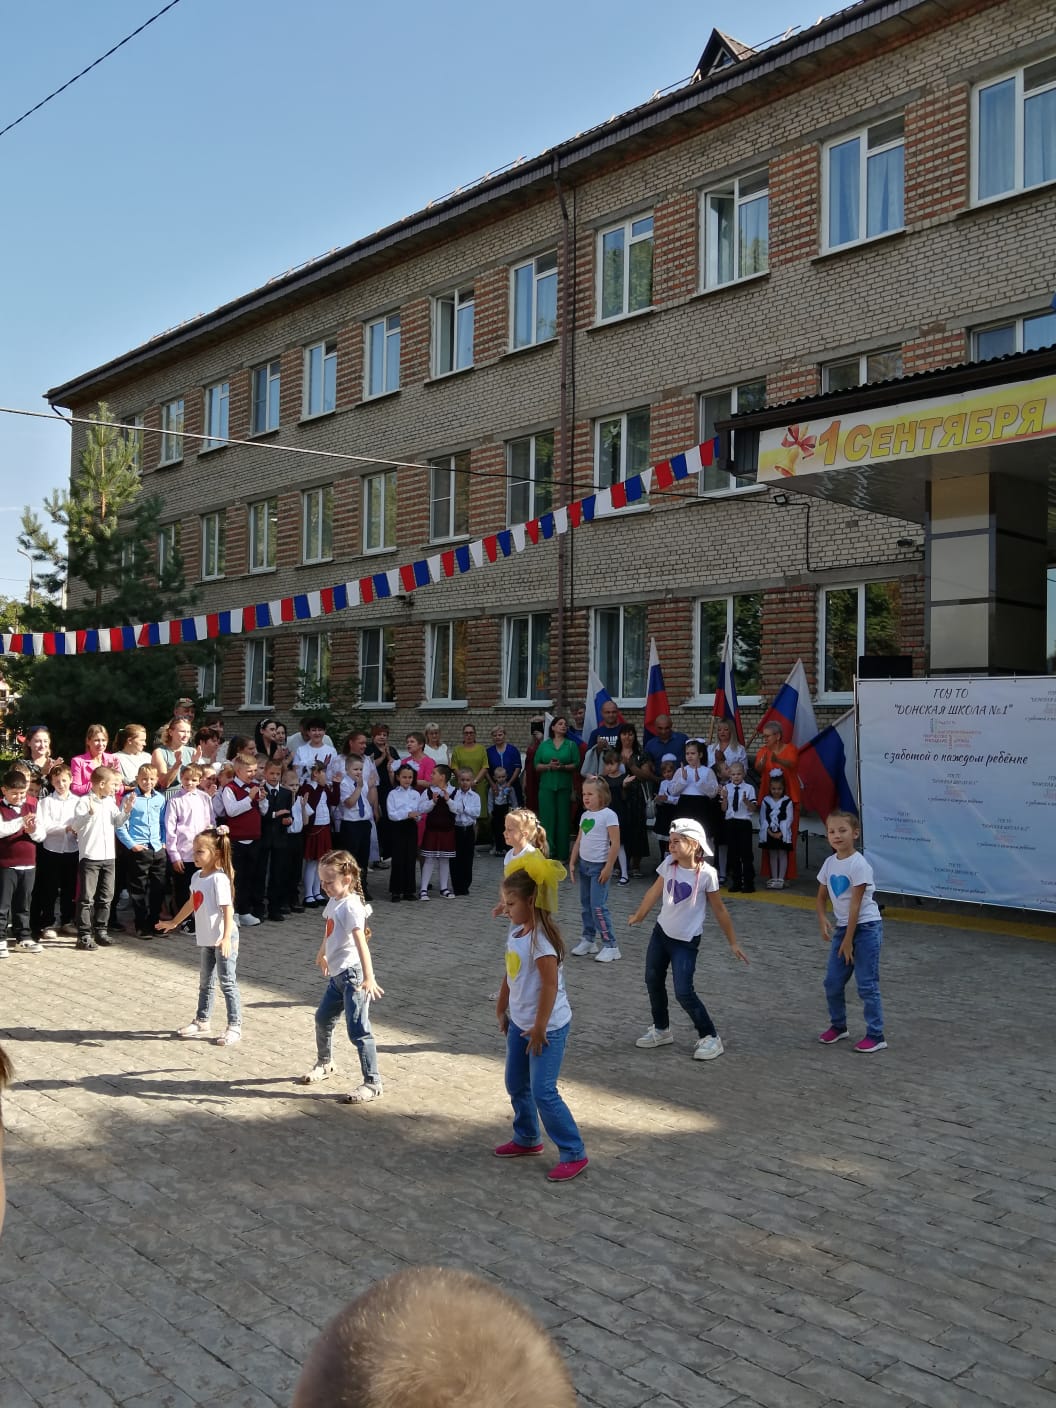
x,y
684,902
840,877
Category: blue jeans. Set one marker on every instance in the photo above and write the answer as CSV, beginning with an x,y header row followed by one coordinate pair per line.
x,y
680,956
594,902
532,1085
344,993
865,965
214,966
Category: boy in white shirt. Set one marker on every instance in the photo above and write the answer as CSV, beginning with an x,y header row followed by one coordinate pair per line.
x,y
57,868
465,807
738,802
95,819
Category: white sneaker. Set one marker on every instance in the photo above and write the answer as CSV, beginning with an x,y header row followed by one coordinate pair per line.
x,y
194,1030
3,948
246,921
707,1048
778,885
609,954
653,1037
584,947
49,933
29,946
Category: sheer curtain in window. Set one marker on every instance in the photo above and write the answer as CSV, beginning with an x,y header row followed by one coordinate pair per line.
x,y
997,138
884,192
1039,138
843,192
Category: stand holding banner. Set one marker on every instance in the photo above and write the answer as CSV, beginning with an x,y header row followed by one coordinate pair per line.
x,y
958,788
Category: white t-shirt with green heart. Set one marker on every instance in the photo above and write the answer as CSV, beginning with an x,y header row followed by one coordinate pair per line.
x,y
594,834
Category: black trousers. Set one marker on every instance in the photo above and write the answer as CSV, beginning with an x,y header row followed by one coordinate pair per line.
x,y
56,880
354,836
97,890
16,896
740,858
181,884
462,865
273,872
245,857
403,836
147,872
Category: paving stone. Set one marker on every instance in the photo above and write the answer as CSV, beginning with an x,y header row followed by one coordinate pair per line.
x,y
768,1389
813,1342
1005,1388
844,1386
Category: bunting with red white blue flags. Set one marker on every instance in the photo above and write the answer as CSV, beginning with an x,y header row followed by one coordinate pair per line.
x,y
726,706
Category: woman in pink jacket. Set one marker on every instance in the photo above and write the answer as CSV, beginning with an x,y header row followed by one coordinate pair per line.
x,y
94,756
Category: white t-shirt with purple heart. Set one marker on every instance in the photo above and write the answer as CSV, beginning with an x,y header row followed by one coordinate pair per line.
x,y
840,877
684,901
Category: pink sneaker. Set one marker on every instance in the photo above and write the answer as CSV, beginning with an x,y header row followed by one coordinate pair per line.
x,y
561,1173
869,1044
513,1150
832,1035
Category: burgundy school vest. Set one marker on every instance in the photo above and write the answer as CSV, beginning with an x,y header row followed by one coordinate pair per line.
x,y
245,826
17,849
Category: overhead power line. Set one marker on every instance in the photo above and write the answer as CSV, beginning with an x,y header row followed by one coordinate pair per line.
x,y
95,64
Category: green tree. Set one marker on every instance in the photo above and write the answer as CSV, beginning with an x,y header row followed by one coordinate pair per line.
x,y
95,552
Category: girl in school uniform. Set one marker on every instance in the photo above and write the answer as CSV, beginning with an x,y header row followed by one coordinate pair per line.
x,y
319,806
696,786
775,828
406,806
438,838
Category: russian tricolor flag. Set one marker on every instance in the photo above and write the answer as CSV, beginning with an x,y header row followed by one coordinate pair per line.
x,y
823,769
726,706
655,692
792,709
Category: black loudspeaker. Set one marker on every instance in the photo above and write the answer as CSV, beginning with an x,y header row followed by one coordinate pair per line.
x,y
885,667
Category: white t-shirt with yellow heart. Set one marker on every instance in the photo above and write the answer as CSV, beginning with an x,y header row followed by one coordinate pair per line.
x,y
522,972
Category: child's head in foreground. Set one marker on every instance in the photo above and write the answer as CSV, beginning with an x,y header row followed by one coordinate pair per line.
x,y
433,1338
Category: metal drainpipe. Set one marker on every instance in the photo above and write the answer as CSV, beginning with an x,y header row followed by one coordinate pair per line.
x,y
565,336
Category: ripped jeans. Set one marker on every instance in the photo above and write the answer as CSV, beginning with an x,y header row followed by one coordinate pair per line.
x,y
594,902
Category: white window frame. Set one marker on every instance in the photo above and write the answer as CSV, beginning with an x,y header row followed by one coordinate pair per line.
x,y
315,390
830,696
265,410
216,416
734,485
866,153
540,499
132,434
258,660
622,475
384,484
460,299
863,359
210,680
441,637
530,268
172,422
446,465
629,238
214,543
538,623
168,544
731,190
387,329
315,658
321,497
707,696
1018,326
1018,76
383,644
628,701
269,522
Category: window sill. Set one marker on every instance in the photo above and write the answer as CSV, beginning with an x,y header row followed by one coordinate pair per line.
x,y
254,708
170,464
710,292
521,704
207,580
834,701
380,552
446,542
601,324
378,706
740,492
859,244
707,701
438,377
316,415
449,704
1003,198
261,571
204,449
627,511
313,562
368,399
529,347
263,434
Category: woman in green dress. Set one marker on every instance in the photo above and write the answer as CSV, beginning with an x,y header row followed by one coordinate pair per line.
x,y
474,756
556,761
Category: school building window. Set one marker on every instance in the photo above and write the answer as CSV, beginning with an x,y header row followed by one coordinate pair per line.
x,y
217,404
1014,335
132,434
625,268
265,387
619,653
213,545
379,511
263,534
449,497
453,331
382,358
377,675
741,618
317,524
172,432
259,682
529,476
621,447
534,295
315,664
446,660
862,185
526,653
1014,130
864,619
736,221
168,547
209,681
320,378
720,405
884,365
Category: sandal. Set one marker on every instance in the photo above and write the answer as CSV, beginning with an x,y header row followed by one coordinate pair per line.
x,y
231,1037
363,1095
322,1070
448,894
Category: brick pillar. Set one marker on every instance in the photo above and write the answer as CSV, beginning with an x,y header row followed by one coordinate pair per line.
x,y
790,383
350,366
491,294
238,406
414,342
795,203
935,347
675,225
290,386
790,632
937,155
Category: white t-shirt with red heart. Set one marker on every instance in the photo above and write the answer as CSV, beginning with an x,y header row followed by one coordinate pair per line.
x,y
208,893
684,902
340,918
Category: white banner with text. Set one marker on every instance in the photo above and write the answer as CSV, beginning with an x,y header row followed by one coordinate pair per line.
x,y
958,788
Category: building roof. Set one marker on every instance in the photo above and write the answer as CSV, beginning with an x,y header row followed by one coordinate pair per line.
x,y
734,66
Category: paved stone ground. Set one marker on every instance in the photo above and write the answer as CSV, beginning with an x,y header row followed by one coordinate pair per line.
x,y
787,1226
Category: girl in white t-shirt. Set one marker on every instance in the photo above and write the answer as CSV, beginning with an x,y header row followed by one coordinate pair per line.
x,y
594,852
213,906
529,850
535,1017
846,879
344,957
687,887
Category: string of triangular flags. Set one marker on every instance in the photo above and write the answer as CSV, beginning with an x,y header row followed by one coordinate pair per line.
x,y
378,586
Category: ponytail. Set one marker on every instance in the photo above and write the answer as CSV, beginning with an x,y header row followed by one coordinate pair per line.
x,y
520,883
219,838
526,820
344,863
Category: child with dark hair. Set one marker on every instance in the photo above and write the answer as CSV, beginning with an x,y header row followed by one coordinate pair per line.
x,y
18,860
438,838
